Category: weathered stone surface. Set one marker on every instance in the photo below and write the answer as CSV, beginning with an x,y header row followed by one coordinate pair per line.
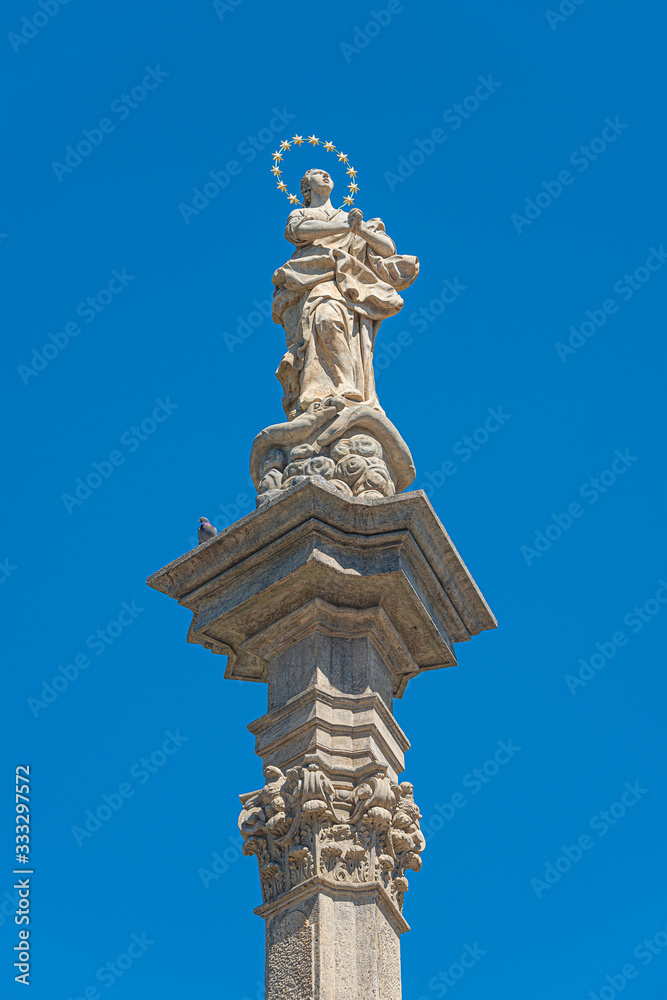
x,y
341,282
312,544
355,448
335,592
334,603
325,944
302,825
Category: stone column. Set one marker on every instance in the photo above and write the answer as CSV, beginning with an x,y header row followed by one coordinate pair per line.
x,y
335,604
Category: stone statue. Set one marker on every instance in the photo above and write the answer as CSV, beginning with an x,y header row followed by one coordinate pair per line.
x,y
331,296
342,280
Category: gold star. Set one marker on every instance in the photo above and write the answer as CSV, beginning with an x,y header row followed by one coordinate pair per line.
x,y
353,188
342,157
329,146
282,186
351,171
349,200
293,198
298,139
313,140
285,144
277,156
275,169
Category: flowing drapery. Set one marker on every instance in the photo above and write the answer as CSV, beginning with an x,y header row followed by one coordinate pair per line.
x,y
331,297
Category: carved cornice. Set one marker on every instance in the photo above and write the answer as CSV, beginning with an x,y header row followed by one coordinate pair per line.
x,y
310,543
319,883
352,703
319,615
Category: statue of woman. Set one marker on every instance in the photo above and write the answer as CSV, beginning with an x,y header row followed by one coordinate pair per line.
x,y
342,280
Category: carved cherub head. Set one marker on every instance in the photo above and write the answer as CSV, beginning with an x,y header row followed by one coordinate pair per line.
x,y
274,459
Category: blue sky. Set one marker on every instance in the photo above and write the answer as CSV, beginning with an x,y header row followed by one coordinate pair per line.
x,y
526,372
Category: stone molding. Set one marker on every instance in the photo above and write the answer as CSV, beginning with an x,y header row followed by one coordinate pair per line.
x,y
312,544
319,721
338,622
318,883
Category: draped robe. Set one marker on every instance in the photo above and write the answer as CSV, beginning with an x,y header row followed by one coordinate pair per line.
x,y
330,298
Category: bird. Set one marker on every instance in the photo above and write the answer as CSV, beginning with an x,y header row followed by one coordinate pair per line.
x,y
205,530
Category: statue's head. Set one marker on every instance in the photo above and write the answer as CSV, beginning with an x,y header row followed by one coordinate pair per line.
x,y
315,180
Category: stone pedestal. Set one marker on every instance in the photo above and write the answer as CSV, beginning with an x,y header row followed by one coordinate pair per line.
x,y
335,604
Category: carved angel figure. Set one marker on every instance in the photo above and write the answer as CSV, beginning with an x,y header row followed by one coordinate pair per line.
x,y
264,810
406,834
342,280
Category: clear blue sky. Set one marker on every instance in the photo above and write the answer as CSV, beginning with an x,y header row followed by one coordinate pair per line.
x,y
540,199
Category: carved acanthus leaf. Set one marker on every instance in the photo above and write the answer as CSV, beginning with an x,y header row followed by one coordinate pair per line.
x,y
298,825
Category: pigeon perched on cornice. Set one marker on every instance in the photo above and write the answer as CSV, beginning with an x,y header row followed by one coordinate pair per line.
x,y
205,530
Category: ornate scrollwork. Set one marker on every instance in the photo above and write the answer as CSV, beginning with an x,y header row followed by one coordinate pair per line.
x,y
300,825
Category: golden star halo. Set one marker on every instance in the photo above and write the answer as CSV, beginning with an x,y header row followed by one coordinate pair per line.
x,y
298,140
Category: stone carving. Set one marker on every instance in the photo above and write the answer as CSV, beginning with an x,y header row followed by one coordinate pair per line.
x,y
300,825
356,450
342,280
